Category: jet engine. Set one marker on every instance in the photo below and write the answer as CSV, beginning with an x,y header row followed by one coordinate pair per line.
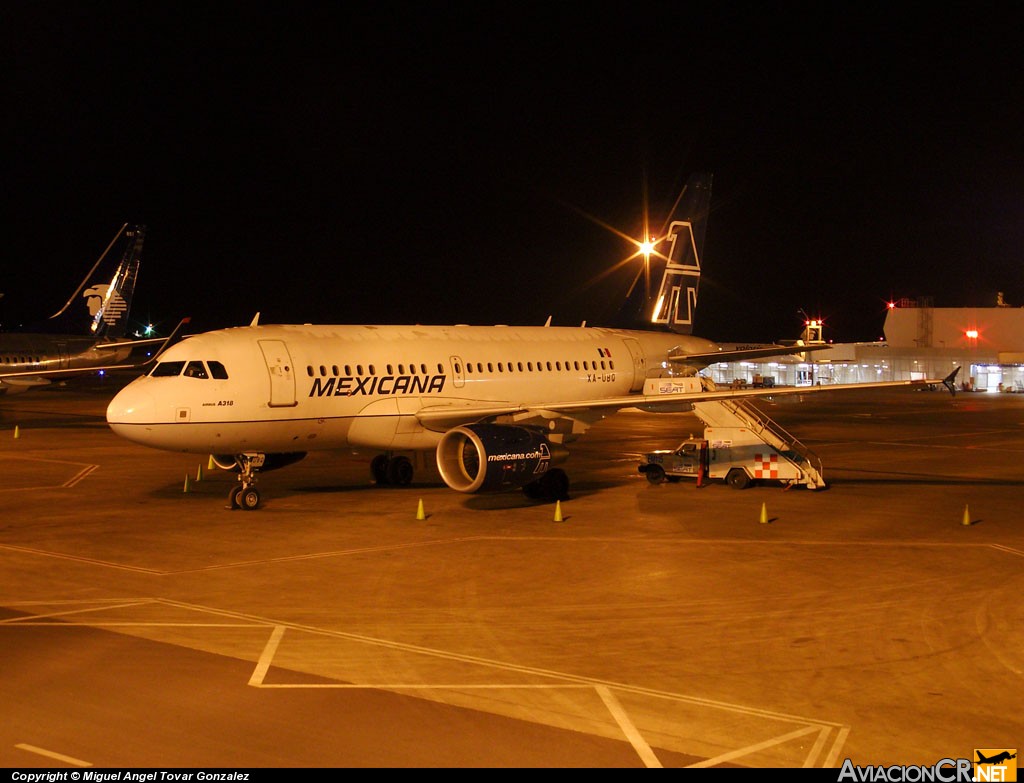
x,y
270,461
494,457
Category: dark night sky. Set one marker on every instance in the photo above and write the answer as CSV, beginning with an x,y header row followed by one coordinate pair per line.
x,y
423,162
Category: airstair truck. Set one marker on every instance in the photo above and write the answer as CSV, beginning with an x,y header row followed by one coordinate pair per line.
x,y
735,454
740,445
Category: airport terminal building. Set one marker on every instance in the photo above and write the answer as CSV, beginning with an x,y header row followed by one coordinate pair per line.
x,y
920,342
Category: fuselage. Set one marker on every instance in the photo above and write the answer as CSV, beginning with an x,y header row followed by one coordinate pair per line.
x,y
37,354
292,388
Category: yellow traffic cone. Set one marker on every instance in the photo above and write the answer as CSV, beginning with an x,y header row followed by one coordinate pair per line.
x,y
967,516
185,488
209,463
558,511
199,473
764,513
17,432
419,511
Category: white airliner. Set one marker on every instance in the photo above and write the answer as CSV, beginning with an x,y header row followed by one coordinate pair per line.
x,y
31,360
496,404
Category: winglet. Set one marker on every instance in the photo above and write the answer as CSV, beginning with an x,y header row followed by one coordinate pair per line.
x,y
950,381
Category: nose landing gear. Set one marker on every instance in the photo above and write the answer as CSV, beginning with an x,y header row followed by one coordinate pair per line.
x,y
245,495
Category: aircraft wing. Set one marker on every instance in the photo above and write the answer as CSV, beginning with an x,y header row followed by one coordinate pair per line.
x,y
443,417
131,343
739,354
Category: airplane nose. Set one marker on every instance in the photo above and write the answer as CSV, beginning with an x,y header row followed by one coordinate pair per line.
x,y
129,411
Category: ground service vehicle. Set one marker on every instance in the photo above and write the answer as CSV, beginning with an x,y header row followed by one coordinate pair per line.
x,y
737,455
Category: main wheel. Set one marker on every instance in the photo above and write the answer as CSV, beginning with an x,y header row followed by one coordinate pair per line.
x,y
554,484
379,469
400,471
655,474
738,479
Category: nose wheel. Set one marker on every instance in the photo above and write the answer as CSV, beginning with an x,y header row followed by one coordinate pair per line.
x,y
245,498
245,495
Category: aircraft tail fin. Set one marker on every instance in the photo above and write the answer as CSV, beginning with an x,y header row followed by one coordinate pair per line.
x,y
107,301
676,262
675,304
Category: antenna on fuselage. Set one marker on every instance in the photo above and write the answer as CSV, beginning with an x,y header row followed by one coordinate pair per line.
x,y
255,320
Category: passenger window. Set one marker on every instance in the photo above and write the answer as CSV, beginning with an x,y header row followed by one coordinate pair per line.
x,y
217,371
167,369
195,370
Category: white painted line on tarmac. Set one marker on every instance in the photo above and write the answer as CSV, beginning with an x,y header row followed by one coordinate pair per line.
x,y
267,656
633,736
52,755
81,475
740,752
31,619
833,755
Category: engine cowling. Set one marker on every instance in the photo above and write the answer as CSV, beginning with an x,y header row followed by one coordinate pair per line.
x,y
270,461
494,457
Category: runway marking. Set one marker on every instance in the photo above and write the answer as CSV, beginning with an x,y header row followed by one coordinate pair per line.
x,y
81,475
632,735
80,559
86,469
605,689
832,758
52,755
267,656
1011,550
471,539
740,752
30,620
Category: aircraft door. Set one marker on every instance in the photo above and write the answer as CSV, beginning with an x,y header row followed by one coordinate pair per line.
x,y
282,374
458,372
63,356
636,354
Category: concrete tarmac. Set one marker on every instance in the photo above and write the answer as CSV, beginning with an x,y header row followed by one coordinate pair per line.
x,y
143,624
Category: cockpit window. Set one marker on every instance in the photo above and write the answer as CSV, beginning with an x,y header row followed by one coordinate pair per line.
x,y
167,369
195,370
217,371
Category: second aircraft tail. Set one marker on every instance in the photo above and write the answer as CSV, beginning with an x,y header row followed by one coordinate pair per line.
x,y
106,301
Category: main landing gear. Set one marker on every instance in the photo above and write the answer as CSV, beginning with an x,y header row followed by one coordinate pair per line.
x,y
389,470
553,485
